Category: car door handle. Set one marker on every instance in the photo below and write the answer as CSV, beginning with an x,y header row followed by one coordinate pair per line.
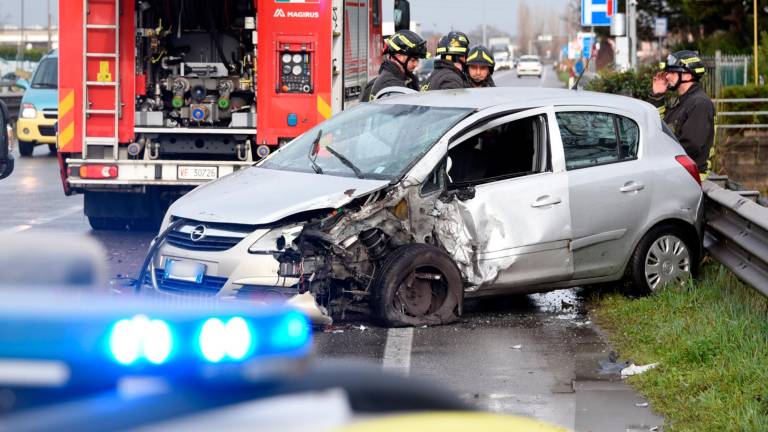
x,y
545,201
631,186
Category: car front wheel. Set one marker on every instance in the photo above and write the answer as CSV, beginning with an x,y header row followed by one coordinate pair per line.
x,y
26,148
666,255
418,284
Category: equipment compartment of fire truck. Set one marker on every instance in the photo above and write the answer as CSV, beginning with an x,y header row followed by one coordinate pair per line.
x,y
157,97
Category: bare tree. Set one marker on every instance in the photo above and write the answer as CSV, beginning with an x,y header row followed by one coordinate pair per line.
x,y
524,26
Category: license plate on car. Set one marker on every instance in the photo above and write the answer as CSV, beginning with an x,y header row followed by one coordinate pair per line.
x,y
187,271
197,173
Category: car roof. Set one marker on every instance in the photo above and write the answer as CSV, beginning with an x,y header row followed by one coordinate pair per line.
x,y
523,98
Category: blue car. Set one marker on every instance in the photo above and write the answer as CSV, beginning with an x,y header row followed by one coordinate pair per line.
x,y
39,107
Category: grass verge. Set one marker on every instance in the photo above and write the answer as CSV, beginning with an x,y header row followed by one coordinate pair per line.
x,y
711,340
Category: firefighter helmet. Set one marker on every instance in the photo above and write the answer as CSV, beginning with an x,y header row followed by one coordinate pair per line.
x,y
480,55
408,43
454,43
685,62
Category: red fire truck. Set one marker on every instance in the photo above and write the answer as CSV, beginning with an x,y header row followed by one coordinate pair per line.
x,y
159,96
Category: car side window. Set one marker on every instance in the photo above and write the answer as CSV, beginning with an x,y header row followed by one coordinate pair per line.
x,y
509,150
595,138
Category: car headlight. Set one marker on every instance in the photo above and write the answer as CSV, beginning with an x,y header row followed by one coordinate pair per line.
x,y
28,111
9,133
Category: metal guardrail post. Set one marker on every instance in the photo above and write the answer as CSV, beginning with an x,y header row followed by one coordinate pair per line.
x,y
737,232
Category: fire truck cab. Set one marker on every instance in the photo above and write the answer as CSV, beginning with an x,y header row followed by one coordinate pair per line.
x,y
159,96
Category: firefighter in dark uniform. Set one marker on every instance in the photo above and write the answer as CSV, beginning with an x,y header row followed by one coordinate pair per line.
x,y
452,50
480,66
692,116
404,50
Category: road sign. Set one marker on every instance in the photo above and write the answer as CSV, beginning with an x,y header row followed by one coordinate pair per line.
x,y
597,13
660,27
586,47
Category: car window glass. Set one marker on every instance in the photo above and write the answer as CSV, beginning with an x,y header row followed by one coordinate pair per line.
x,y
46,75
629,134
504,151
589,138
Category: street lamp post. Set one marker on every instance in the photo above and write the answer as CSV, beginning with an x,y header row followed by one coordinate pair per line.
x,y
757,59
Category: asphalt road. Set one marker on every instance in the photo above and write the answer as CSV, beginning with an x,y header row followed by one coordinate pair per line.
x,y
533,355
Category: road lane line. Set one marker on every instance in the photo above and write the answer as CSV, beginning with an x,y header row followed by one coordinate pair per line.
x,y
42,221
397,351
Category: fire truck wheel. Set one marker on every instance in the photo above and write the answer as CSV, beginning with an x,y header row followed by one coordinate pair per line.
x,y
26,148
417,285
52,149
107,223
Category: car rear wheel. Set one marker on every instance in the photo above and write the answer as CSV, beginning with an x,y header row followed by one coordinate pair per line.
x,y
664,256
26,148
417,285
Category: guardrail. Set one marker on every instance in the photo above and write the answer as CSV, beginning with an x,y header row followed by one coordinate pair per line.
x,y
11,99
736,231
753,125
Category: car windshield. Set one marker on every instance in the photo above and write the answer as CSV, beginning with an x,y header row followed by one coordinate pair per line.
x,y
46,75
376,141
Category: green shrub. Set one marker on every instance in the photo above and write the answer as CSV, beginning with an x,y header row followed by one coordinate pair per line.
x,y
631,83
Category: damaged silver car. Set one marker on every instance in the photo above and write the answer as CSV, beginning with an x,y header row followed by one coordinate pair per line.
x,y
406,206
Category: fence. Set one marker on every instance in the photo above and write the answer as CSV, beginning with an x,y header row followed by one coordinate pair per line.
x,y
737,230
725,70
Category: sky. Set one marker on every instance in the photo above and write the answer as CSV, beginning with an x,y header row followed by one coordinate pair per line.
x,y
434,15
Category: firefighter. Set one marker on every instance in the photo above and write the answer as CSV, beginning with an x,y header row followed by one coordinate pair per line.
x,y
692,116
404,49
480,66
452,50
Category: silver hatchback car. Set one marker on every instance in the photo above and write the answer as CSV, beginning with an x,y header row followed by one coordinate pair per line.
x,y
406,206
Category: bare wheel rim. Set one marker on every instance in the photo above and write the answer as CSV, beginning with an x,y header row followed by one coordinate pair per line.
x,y
667,261
420,292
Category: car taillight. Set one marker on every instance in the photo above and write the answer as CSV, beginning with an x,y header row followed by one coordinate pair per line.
x,y
689,166
98,171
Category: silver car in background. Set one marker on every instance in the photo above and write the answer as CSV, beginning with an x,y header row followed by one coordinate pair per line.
x,y
529,65
406,206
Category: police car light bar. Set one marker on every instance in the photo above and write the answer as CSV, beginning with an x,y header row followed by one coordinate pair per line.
x,y
110,337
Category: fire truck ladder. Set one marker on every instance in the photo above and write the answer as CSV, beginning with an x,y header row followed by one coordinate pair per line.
x,y
104,79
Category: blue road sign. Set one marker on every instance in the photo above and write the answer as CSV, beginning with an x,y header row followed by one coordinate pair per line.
x,y
597,13
586,51
579,67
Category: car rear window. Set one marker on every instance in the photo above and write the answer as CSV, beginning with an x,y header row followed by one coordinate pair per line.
x,y
596,138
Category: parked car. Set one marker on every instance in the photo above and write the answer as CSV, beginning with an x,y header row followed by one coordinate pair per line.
x,y
529,65
39,107
410,204
6,142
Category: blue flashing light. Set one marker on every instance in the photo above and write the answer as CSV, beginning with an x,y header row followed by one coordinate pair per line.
x,y
293,120
140,338
293,332
232,341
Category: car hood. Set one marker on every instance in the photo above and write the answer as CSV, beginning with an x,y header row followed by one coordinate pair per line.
x,y
41,98
256,196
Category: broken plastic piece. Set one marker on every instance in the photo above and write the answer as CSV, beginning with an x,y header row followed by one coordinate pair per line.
x,y
517,347
633,369
307,304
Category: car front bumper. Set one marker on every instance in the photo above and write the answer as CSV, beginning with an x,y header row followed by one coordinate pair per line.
x,y
39,130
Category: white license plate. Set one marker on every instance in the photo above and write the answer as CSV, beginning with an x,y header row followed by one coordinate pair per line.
x,y
187,271
197,173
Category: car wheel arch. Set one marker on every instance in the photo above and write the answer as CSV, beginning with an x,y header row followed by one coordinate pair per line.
x,y
686,227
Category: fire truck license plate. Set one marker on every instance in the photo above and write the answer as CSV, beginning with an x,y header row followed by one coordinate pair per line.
x,y
197,173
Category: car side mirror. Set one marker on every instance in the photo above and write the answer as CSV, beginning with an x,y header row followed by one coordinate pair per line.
x,y
402,15
22,83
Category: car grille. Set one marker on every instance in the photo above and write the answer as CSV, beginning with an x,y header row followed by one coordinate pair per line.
x,y
266,292
50,114
210,285
47,130
219,237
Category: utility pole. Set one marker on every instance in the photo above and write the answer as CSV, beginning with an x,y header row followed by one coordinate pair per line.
x,y
49,25
756,57
632,32
485,26
20,51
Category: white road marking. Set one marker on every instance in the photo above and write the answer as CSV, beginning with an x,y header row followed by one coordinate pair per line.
x,y
397,351
42,221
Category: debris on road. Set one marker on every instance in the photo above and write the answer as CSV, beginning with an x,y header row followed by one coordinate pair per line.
x,y
517,347
642,405
633,369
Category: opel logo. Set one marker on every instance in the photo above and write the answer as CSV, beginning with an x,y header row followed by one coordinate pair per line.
x,y
198,233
